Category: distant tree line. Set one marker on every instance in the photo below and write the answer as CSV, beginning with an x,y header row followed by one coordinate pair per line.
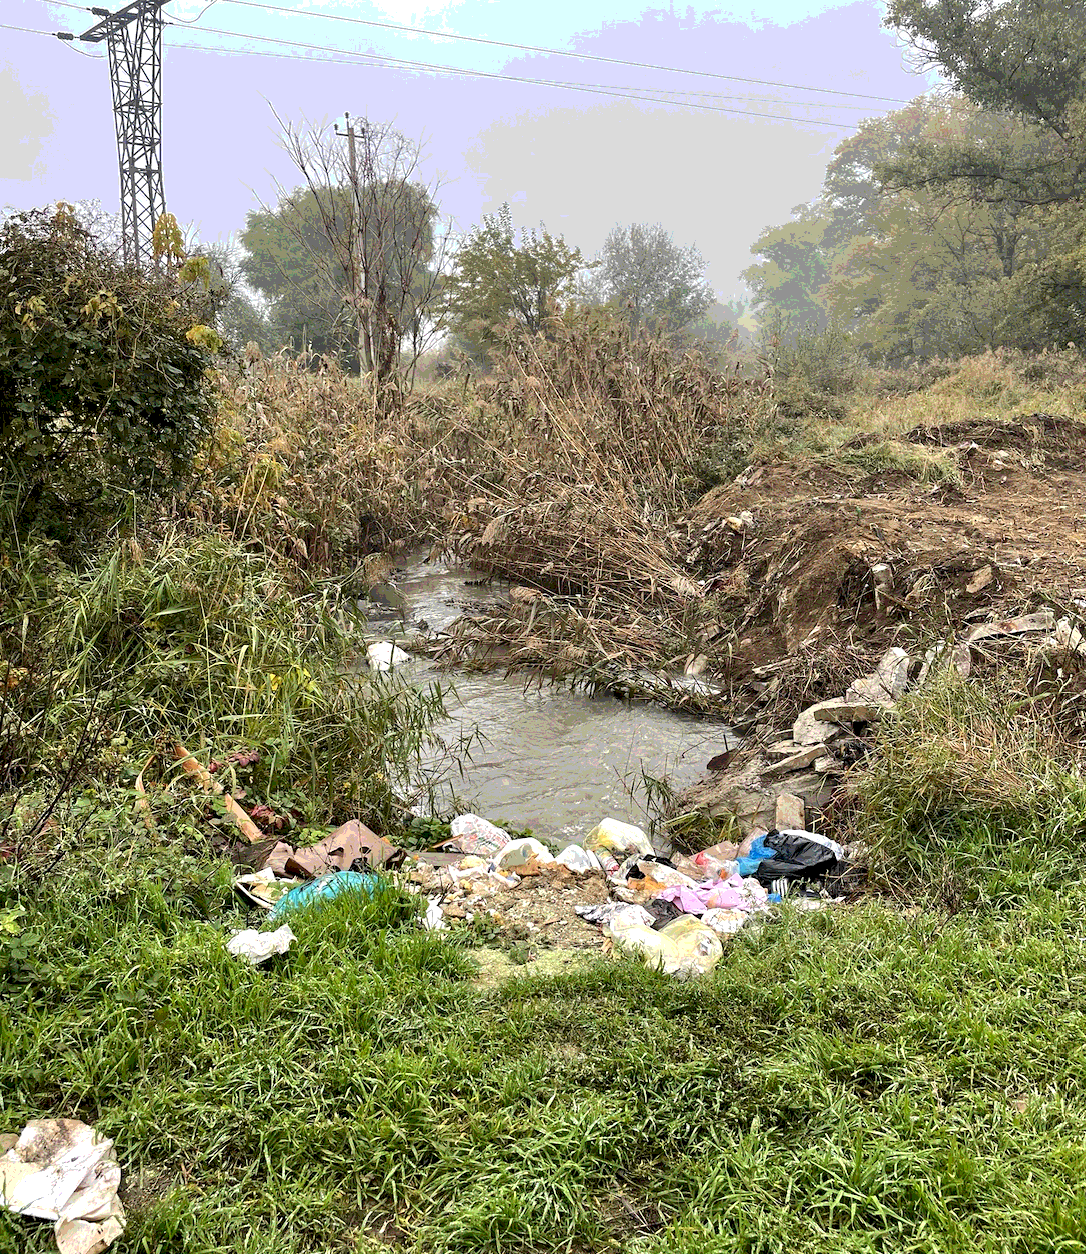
x,y
957,223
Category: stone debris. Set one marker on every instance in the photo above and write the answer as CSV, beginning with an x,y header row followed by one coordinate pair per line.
x,y
791,812
809,730
845,712
1070,637
796,762
1043,620
886,683
980,580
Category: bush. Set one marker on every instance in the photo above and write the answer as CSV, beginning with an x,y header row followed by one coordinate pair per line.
x,y
103,388
200,641
812,369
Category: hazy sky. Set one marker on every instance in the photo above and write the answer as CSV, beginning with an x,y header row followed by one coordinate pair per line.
x,y
577,161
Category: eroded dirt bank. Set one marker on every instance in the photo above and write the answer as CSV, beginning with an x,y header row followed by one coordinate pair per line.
x,y
783,587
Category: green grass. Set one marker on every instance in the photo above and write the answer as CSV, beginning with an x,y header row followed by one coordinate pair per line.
x,y
850,1081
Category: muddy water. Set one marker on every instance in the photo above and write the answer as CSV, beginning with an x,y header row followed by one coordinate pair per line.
x,y
546,757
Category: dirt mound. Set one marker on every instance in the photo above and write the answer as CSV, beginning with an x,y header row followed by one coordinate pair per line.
x,y
1044,439
808,563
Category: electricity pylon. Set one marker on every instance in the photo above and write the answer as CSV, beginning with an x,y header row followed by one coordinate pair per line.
x,y
134,37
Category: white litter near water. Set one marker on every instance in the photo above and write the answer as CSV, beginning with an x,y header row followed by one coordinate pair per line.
x,y
383,655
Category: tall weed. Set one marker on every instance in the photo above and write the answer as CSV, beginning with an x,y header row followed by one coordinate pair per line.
x,y
970,798
201,641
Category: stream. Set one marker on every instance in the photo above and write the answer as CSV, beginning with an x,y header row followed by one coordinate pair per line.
x,y
548,757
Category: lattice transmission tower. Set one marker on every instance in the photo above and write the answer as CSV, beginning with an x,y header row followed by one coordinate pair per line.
x,y
134,37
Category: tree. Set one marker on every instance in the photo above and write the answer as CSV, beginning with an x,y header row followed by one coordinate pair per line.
x,y
507,280
363,236
791,278
922,269
642,272
103,369
1023,57
1022,61
306,307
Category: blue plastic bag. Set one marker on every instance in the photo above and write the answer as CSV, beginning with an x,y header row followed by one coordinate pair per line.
x,y
327,887
759,852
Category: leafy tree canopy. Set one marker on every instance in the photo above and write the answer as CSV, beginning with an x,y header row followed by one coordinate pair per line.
x,y
507,279
654,282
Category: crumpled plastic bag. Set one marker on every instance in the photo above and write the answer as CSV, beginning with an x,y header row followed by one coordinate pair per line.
x,y
518,853
578,860
61,1169
684,948
326,887
472,834
617,837
258,947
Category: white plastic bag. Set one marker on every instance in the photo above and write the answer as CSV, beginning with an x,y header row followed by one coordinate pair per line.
x,y
618,837
476,835
258,947
578,860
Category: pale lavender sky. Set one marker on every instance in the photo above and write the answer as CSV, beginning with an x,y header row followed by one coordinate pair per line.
x,y
575,161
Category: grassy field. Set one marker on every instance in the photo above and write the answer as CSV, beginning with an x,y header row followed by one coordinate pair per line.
x,y
862,1080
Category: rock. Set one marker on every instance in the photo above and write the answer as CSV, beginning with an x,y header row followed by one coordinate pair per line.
x,y
782,749
828,765
1068,636
809,730
796,762
791,813
883,578
957,655
821,723
695,665
981,579
1043,620
886,683
846,712
388,595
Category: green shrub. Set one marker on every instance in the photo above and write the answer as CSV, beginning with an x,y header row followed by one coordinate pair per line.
x,y
201,641
812,369
103,389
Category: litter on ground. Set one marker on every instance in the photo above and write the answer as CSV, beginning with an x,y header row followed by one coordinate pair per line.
x,y
63,1170
673,912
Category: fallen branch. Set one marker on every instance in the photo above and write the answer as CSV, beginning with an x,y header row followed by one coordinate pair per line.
x,y
209,784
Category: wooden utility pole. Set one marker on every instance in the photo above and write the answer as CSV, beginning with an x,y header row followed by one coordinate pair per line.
x,y
355,241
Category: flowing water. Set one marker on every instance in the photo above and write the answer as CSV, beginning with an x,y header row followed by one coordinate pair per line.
x,y
547,758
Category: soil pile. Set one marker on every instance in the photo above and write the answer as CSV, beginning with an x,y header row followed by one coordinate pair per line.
x,y
822,567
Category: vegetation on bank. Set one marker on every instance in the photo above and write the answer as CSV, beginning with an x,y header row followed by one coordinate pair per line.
x,y
899,1075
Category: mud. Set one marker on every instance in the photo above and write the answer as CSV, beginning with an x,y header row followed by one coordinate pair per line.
x,y
802,584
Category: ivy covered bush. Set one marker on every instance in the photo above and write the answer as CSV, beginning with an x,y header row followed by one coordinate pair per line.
x,y
104,386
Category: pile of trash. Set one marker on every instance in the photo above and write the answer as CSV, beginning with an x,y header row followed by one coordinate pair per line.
x,y
671,911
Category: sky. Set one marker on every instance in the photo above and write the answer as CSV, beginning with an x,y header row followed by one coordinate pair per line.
x,y
578,161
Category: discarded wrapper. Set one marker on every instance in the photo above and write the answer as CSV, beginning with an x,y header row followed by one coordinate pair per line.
x,y
258,947
62,1169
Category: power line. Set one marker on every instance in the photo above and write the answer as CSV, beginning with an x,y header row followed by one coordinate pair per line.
x,y
634,93
428,68
556,52
29,30
597,88
605,88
